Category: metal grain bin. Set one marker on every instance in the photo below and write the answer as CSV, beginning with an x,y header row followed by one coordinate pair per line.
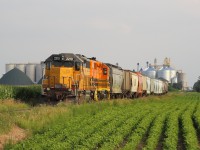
x,y
150,72
174,80
30,71
9,67
173,73
164,73
21,67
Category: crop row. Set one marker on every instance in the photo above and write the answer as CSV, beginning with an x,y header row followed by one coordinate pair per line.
x,y
189,132
156,131
146,124
122,134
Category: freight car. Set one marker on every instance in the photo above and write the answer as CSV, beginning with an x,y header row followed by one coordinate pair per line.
x,y
69,75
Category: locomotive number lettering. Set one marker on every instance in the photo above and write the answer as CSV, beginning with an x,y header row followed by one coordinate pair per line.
x,y
56,58
69,59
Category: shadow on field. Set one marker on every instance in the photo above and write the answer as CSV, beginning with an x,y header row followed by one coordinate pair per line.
x,y
42,100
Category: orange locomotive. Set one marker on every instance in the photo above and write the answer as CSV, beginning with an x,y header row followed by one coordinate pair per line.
x,y
73,75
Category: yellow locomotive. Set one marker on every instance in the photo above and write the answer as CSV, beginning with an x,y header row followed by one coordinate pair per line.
x,y
70,75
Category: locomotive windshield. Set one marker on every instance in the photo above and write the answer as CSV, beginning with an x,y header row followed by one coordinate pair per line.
x,y
59,64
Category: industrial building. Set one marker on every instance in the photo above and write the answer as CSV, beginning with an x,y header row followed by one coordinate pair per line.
x,y
33,71
167,72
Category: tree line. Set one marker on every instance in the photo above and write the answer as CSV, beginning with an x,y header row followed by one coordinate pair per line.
x,y
196,86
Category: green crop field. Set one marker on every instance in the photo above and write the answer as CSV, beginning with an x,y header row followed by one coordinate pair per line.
x,y
156,122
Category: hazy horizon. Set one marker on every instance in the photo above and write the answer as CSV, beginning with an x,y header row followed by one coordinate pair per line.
x,y
123,32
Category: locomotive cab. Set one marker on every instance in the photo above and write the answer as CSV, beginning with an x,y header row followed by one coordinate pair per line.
x,y
62,76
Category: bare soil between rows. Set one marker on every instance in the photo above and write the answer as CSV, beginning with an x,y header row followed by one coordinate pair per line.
x,y
16,134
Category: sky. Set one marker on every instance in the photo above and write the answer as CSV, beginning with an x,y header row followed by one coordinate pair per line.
x,y
126,32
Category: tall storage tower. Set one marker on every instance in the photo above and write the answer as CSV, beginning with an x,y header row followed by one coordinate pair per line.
x,y
39,72
21,67
9,67
30,71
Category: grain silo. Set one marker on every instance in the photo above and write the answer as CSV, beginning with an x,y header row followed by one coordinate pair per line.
x,y
164,73
39,72
21,67
30,71
181,77
174,80
173,74
150,72
9,67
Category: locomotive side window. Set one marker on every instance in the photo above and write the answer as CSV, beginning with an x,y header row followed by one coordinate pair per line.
x,y
77,66
48,65
104,71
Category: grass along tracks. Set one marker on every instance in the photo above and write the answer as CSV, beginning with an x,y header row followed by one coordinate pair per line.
x,y
136,124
